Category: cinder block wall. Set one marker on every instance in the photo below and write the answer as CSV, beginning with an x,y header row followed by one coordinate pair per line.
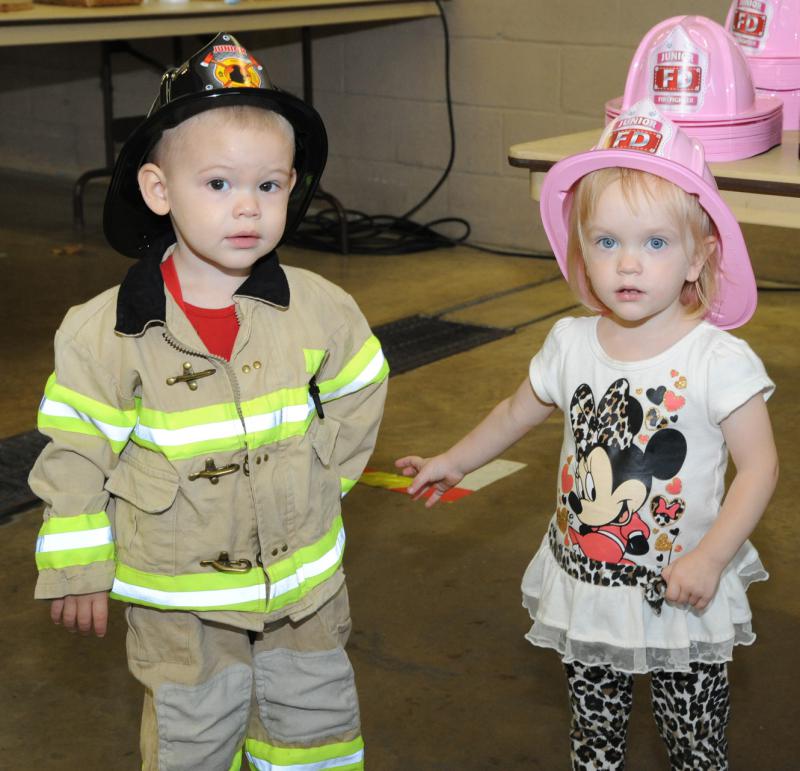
x,y
520,70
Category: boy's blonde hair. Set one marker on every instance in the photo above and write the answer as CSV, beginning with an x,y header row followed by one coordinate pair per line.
x,y
684,209
239,115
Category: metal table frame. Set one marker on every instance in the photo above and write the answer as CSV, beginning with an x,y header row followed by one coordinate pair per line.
x,y
116,26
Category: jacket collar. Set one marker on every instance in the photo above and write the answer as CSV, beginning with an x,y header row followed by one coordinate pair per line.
x,y
141,301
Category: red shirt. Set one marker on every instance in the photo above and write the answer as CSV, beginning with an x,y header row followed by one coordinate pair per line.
x,y
217,327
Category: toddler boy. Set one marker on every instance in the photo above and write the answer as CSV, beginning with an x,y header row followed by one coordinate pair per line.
x,y
205,417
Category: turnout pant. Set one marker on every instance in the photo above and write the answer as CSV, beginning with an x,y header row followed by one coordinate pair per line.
x,y
691,710
285,696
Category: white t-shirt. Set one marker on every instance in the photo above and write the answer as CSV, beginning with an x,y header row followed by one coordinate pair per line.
x,y
642,467
661,456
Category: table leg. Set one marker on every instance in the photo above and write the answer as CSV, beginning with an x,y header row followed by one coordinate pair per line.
x,y
125,124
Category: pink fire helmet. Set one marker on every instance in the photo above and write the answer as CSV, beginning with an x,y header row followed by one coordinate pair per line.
x,y
692,69
768,31
769,28
642,138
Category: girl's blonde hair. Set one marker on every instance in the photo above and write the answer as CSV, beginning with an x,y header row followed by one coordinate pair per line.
x,y
683,208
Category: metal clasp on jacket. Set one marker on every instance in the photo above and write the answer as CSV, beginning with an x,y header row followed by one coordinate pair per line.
x,y
224,564
313,390
189,377
212,473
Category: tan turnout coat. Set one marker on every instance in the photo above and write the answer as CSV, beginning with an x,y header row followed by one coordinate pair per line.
x,y
182,481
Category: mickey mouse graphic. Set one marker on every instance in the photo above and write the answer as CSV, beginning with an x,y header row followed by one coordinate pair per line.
x,y
612,475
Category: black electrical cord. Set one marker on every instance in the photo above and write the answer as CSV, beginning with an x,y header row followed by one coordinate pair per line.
x,y
385,234
450,121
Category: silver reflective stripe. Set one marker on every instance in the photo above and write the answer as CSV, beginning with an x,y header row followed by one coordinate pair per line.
x,y
310,569
61,410
366,376
212,598
224,429
171,437
294,413
320,765
78,539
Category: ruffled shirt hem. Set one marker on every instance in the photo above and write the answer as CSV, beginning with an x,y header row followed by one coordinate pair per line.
x,y
615,625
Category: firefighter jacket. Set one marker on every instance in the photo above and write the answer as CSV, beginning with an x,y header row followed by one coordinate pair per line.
x,y
182,481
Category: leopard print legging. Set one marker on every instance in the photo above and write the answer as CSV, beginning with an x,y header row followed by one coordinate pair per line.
x,y
691,710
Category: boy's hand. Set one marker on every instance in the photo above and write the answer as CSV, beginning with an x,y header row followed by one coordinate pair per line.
x,y
84,611
692,580
436,474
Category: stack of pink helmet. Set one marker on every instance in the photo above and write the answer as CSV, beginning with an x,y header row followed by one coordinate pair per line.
x,y
695,73
769,33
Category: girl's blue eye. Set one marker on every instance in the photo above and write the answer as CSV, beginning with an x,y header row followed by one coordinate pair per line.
x,y
656,243
606,242
268,187
218,184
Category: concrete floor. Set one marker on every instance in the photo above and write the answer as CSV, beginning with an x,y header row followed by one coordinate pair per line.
x,y
446,679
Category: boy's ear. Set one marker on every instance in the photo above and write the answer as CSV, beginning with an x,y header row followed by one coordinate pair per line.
x,y
153,187
705,250
292,180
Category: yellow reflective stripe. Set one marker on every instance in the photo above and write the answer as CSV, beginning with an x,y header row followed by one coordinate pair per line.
x,y
80,540
188,433
198,416
277,400
313,357
258,439
342,756
56,560
224,412
367,366
190,450
347,485
159,442
75,426
98,410
185,434
56,524
289,580
298,574
277,416
236,763
64,409
193,591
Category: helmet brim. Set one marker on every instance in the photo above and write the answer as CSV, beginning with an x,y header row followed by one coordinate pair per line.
x,y
737,293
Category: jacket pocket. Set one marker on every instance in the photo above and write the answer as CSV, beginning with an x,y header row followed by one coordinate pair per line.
x,y
144,489
151,486
323,435
313,483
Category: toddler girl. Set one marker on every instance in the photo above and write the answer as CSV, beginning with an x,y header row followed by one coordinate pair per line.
x,y
644,566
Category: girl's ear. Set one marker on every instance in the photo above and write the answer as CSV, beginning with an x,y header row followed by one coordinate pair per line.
x,y
292,180
705,250
153,187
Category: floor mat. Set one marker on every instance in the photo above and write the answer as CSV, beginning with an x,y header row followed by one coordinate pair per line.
x,y
417,340
17,455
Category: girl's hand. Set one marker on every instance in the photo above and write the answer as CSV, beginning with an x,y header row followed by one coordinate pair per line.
x,y
692,580
436,474
86,611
